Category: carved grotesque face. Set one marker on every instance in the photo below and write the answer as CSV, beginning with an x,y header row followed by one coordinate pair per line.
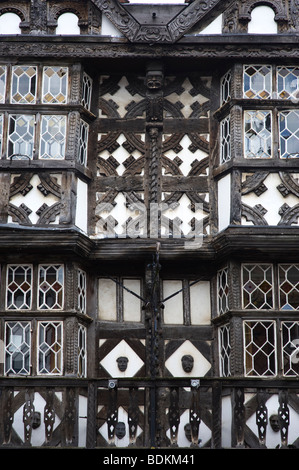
x,y
187,363
188,434
274,423
36,419
154,80
122,363
120,430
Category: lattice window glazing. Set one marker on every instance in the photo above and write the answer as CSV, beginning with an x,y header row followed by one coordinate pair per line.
x,y
258,134
23,85
21,135
3,74
257,81
86,91
19,287
82,357
224,351
17,347
225,90
83,143
260,348
55,85
53,135
223,291
50,335
50,287
225,140
257,286
288,82
289,134
288,279
81,291
290,348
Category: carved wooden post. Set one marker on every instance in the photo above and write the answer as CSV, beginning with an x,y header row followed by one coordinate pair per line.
x,y
216,415
238,424
49,414
112,413
262,417
91,416
28,412
195,411
7,413
133,412
70,417
283,417
174,416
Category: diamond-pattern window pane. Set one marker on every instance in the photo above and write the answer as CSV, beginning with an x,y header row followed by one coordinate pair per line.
x,y
82,357
23,85
17,348
257,81
224,350
290,348
225,90
55,85
288,82
288,278
289,134
50,288
50,348
225,137
83,143
19,287
257,286
21,136
258,138
81,291
3,74
223,291
260,348
86,91
53,134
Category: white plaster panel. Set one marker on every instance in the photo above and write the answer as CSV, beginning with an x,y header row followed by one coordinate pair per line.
x,y
107,299
224,202
262,21
122,349
200,303
174,364
131,304
108,28
185,154
173,311
81,207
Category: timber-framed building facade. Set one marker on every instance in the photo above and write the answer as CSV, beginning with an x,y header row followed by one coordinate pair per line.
x,y
149,206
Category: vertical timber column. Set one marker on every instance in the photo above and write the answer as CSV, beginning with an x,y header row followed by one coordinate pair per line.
x,y
154,130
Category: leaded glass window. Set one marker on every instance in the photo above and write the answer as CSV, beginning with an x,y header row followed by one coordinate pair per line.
x,y
3,74
53,135
288,278
289,133
81,291
86,91
83,143
290,348
19,287
257,81
50,287
260,348
55,85
82,358
224,350
50,336
257,286
23,85
21,135
258,134
225,90
17,347
223,290
288,82
225,138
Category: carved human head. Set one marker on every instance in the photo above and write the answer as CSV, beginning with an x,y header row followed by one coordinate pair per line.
x,y
122,363
187,362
